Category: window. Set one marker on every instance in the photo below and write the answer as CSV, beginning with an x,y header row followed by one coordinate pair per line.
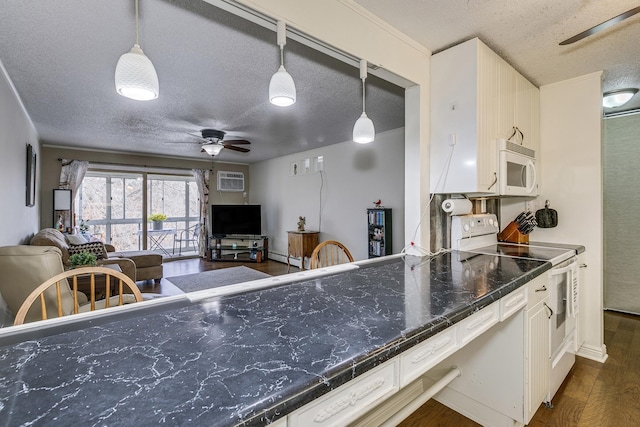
x,y
112,205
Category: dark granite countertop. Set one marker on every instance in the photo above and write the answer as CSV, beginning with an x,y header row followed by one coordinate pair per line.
x,y
247,359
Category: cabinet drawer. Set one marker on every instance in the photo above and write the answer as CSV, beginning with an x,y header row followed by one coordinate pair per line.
x,y
513,302
419,359
538,289
349,401
477,323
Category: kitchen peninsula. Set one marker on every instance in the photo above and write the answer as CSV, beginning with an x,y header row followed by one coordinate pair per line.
x,y
252,358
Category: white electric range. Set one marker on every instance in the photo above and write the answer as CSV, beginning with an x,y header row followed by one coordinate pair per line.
x,y
477,234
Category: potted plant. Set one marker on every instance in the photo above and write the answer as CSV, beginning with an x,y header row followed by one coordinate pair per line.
x,y
81,259
157,219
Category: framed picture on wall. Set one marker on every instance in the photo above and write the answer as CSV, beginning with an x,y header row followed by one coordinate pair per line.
x,y
31,176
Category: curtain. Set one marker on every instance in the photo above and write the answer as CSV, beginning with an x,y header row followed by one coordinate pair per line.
x,y
71,175
202,181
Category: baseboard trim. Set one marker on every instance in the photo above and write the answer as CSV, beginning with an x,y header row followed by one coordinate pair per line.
x,y
599,354
294,262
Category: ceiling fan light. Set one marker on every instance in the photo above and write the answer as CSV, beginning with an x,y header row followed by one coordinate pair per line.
x,y
136,77
212,149
618,98
363,131
282,89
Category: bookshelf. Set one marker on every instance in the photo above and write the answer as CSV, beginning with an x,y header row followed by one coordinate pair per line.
x,y
379,232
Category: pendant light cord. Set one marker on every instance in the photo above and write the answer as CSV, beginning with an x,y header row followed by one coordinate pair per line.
x,y
137,23
282,55
363,95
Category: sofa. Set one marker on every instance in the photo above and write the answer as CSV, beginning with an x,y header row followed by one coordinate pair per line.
x,y
139,265
26,267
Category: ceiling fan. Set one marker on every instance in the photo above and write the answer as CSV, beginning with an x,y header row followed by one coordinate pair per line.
x,y
606,24
215,142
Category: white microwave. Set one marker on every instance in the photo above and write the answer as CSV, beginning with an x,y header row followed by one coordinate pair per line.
x,y
516,170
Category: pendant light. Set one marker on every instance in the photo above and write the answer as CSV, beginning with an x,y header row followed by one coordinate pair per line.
x,y
282,89
363,130
136,77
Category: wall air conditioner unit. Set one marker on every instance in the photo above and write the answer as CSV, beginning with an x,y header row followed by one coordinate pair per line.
x,y
230,181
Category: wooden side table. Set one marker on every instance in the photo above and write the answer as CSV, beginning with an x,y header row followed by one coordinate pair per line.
x,y
301,245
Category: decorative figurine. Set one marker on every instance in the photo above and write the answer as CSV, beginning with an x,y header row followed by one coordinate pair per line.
x,y
301,222
378,203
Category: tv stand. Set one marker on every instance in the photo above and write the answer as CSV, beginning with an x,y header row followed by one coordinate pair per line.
x,y
239,247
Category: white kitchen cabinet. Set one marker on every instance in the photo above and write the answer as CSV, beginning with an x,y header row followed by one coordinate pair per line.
x,y
476,99
537,358
505,371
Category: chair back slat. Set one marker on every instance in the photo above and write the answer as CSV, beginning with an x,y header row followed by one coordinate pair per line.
x,y
60,280
43,306
76,305
59,298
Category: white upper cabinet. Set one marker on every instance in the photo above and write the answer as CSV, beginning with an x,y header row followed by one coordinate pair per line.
x,y
476,99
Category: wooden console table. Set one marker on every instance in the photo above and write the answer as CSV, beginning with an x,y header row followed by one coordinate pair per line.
x,y
301,245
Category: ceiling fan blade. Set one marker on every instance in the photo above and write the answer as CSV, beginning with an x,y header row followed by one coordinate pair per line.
x,y
236,141
234,148
602,26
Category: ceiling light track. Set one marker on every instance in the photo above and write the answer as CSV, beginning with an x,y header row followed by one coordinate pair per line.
x,y
266,21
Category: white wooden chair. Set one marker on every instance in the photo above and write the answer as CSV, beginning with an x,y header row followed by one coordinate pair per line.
x,y
330,252
68,300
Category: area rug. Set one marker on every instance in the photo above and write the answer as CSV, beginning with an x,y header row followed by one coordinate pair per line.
x,y
216,278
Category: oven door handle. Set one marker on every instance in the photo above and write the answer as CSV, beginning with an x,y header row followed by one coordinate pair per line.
x,y
563,270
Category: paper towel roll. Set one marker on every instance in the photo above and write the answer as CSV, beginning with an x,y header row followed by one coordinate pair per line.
x,y
457,206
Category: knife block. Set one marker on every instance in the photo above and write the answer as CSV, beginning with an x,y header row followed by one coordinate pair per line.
x,y
511,234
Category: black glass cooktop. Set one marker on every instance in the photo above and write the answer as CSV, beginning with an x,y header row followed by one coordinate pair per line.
x,y
553,255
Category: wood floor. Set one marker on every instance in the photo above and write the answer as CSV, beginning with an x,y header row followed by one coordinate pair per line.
x,y
594,394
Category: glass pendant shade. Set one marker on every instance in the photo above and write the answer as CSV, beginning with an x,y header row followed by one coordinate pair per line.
x,y
617,98
212,149
364,131
282,89
136,77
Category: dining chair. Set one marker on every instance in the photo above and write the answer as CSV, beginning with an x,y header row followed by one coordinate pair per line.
x,y
68,300
330,252
188,236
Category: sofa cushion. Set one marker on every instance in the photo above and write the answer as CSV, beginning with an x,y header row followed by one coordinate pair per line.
x,y
75,239
142,259
52,237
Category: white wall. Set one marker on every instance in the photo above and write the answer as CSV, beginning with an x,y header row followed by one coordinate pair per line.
x,y
355,175
571,169
19,221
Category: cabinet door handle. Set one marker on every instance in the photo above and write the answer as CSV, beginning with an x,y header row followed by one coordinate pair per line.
x,y
542,289
583,265
495,179
550,310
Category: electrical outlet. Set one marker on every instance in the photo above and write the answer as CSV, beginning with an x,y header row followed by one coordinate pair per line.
x,y
318,163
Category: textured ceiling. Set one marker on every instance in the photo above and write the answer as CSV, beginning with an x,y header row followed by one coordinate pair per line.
x,y
526,33
214,70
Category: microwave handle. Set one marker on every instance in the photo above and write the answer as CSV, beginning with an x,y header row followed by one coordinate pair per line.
x,y
532,167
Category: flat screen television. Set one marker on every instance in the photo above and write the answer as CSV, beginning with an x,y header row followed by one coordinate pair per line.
x,y
235,219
